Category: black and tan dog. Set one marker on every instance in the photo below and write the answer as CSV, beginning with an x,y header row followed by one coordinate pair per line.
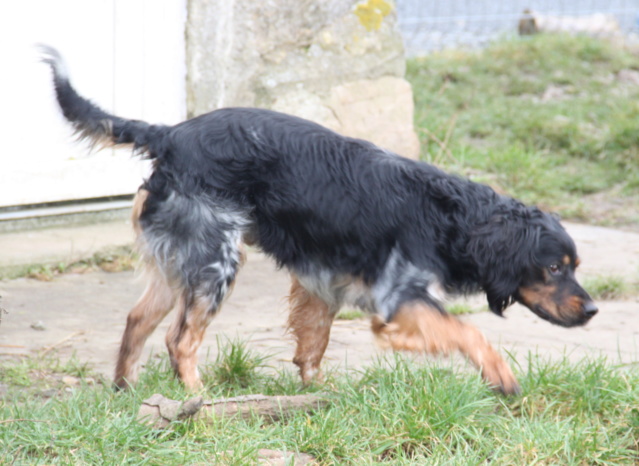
x,y
351,222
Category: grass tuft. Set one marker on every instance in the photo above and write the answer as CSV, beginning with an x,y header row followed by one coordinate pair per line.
x,y
235,365
117,259
607,287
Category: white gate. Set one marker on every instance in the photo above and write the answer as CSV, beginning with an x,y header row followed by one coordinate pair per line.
x,y
125,55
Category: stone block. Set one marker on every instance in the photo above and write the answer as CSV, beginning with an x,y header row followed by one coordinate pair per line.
x,y
337,62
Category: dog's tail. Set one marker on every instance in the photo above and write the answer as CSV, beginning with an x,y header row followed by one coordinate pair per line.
x,y
90,121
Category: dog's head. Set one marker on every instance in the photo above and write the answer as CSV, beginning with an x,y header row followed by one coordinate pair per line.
x,y
525,255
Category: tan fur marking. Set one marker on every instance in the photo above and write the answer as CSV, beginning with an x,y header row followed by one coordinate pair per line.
x,y
561,305
310,323
566,260
541,295
574,304
418,327
138,208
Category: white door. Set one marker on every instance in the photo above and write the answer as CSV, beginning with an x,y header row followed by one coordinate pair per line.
x,y
125,55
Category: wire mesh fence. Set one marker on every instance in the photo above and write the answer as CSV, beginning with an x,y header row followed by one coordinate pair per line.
x,y
429,25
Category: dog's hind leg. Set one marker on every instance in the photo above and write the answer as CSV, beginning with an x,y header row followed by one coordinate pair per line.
x,y
196,308
310,323
420,327
156,302
153,306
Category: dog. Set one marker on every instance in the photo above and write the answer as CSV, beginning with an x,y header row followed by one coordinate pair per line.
x,y
352,223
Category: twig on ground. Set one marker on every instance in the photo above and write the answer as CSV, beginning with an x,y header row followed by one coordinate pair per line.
x,y
61,342
443,145
159,411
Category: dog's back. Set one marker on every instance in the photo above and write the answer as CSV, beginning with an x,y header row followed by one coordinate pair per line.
x,y
306,193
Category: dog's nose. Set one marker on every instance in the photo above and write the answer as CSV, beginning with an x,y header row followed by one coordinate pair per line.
x,y
590,309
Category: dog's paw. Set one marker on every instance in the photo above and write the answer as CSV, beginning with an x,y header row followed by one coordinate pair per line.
x,y
498,374
385,333
120,384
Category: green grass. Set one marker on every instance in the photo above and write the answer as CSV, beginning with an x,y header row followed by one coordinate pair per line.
x,y
350,314
457,308
235,365
610,287
453,308
491,115
460,308
115,259
395,412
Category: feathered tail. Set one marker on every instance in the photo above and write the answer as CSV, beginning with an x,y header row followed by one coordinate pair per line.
x,y
90,121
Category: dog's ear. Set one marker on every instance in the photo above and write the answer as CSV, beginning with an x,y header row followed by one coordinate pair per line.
x,y
502,249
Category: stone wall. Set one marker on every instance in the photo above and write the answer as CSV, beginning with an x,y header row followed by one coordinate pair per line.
x,y
337,62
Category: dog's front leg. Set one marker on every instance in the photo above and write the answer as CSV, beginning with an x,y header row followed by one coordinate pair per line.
x,y
420,327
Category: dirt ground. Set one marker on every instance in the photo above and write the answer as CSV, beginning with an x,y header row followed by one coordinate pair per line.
x,y
85,314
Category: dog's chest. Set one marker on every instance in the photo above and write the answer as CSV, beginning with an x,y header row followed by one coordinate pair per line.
x,y
338,290
399,281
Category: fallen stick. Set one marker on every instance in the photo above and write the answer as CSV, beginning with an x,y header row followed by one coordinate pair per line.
x,y
158,411
45,350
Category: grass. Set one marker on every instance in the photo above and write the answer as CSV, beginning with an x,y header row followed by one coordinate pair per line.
x,y
546,120
397,411
457,308
607,287
111,260
234,365
116,259
460,308
350,314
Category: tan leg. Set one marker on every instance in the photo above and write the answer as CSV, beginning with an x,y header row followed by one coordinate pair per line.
x,y
310,322
153,306
419,327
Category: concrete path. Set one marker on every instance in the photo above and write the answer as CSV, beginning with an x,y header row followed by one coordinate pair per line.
x,y
85,313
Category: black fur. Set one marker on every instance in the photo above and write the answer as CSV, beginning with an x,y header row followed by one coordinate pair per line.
x,y
318,201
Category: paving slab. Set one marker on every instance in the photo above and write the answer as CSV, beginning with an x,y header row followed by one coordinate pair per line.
x,y
63,244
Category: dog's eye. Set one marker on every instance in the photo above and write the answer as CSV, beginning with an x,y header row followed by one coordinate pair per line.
x,y
554,269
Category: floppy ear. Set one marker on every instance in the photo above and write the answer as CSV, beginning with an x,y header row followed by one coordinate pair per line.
x,y
502,249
